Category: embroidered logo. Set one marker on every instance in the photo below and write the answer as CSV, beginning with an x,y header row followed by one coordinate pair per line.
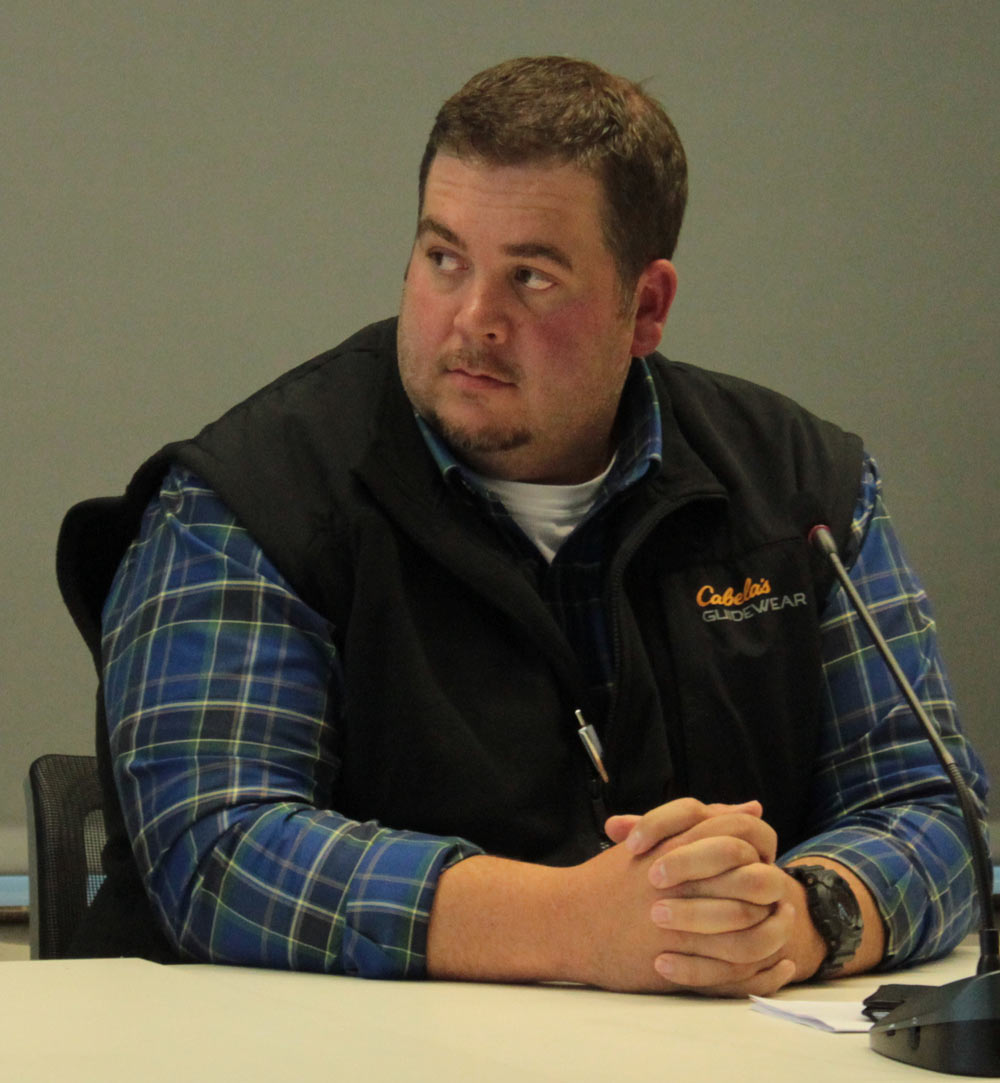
x,y
753,599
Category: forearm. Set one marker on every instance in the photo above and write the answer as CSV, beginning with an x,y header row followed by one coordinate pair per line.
x,y
305,889
499,920
914,863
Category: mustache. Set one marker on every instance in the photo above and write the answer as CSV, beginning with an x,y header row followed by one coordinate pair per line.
x,y
482,363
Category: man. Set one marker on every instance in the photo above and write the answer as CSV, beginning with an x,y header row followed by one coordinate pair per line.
x,y
489,645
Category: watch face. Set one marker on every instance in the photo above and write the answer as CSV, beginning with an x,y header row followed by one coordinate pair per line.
x,y
845,904
843,913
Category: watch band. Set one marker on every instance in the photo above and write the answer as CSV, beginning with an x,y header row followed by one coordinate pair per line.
x,y
834,911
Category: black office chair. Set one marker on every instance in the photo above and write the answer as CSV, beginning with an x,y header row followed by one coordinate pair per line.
x,y
66,834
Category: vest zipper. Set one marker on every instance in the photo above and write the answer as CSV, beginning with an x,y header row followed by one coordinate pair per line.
x,y
625,554
598,804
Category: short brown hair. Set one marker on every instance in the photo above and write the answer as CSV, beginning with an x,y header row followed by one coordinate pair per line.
x,y
555,108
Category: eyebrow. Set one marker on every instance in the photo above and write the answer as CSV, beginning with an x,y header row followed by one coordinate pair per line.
x,y
526,249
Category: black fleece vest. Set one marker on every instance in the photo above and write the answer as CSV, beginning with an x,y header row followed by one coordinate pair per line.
x,y
460,687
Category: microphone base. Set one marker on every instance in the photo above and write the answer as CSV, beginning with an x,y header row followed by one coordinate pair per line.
x,y
954,1028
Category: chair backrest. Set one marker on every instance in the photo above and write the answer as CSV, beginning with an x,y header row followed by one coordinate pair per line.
x,y
66,834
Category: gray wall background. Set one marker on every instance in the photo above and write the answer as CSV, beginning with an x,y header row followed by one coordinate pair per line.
x,y
198,196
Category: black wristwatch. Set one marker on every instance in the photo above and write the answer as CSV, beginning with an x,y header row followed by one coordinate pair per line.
x,y
834,911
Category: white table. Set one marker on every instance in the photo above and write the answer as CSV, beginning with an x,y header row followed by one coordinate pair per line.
x,y
126,1019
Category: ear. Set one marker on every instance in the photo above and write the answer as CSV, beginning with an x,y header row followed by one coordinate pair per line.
x,y
654,294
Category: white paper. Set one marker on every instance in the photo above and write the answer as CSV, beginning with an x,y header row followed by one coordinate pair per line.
x,y
835,1016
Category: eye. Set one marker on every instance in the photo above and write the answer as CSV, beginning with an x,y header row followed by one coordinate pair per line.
x,y
532,279
445,261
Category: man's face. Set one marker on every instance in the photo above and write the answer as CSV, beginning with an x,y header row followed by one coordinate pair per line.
x,y
512,340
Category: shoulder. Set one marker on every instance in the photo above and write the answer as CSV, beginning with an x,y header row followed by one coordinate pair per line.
x,y
719,411
694,392
762,445
267,458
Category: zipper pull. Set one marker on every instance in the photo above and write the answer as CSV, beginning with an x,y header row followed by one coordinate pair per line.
x,y
592,743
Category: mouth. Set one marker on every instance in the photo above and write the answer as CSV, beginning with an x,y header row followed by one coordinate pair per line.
x,y
483,378
475,377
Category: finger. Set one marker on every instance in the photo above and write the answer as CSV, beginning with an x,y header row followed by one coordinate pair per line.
x,y
700,974
760,834
707,915
617,828
757,883
665,821
751,808
764,983
751,947
701,860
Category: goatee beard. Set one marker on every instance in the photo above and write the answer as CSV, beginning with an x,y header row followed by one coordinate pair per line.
x,y
484,441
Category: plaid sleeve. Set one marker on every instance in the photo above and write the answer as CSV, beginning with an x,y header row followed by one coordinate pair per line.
x,y
222,691
881,804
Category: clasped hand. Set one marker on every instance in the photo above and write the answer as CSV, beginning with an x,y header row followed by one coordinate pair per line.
x,y
697,902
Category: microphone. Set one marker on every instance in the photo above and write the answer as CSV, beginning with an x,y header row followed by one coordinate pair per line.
x,y
955,1027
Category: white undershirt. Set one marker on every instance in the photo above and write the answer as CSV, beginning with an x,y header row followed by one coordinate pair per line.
x,y
548,514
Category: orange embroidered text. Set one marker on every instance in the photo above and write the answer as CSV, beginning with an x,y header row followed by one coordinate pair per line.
x,y
707,594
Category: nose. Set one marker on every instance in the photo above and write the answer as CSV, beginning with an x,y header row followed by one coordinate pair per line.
x,y
481,315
